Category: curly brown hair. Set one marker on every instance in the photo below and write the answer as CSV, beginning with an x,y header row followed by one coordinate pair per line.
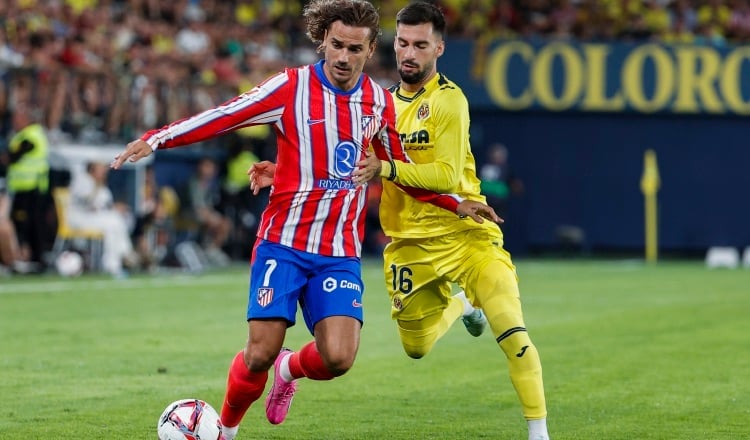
x,y
320,14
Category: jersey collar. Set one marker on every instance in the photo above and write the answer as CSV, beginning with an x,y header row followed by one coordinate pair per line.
x,y
403,95
324,79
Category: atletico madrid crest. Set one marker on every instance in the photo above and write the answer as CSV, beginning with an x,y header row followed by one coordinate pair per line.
x,y
265,296
369,126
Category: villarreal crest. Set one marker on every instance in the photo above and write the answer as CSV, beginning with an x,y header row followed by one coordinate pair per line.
x,y
423,112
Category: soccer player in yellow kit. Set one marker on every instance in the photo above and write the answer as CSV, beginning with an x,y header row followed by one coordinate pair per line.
x,y
432,248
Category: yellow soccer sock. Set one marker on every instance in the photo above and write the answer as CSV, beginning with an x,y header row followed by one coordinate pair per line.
x,y
525,370
497,291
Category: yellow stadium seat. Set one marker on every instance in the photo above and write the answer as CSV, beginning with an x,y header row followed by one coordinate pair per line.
x,y
93,238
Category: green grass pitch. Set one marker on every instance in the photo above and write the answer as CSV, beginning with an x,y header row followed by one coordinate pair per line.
x,y
630,351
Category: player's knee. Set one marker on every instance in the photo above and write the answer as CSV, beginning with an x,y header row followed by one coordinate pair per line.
x,y
259,359
417,349
416,352
339,364
417,343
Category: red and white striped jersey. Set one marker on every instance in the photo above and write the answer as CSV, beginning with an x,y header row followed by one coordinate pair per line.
x,y
322,132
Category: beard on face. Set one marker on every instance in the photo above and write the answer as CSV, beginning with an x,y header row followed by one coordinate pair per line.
x,y
415,77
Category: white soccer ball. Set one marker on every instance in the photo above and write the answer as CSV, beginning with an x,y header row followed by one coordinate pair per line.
x,y
189,419
69,264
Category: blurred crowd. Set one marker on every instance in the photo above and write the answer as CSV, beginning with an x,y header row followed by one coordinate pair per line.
x,y
109,69
104,71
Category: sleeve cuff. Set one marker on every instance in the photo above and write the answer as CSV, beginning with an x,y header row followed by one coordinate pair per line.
x,y
385,168
388,169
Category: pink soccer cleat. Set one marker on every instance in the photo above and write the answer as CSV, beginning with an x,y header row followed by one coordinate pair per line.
x,y
279,399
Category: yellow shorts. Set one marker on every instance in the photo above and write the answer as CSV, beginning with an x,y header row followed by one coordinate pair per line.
x,y
419,272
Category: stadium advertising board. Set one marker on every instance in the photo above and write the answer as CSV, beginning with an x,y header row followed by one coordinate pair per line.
x,y
559,76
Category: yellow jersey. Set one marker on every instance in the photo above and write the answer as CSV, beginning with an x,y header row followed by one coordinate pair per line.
x,y
433,125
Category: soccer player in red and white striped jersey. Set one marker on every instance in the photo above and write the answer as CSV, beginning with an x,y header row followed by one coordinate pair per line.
x,y
322,131
326,116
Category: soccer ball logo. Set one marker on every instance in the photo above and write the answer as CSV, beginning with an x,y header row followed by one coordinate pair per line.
x,y
189,419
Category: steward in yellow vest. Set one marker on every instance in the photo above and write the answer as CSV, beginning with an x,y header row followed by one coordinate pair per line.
x,y
28,182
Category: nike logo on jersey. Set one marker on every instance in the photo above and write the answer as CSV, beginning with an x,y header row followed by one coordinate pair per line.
x,y
314,121
356,303
523,350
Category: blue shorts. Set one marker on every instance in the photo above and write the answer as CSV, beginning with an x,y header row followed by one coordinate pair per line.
x,y
280,277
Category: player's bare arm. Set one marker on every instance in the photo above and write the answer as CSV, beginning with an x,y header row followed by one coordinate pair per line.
x,y
134,151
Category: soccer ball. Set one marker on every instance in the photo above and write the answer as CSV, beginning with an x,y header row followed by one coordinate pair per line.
x,y
189,419
69,264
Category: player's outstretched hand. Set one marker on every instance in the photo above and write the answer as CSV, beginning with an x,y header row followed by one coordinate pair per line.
x,y
367,168
261,175
477,211
133,152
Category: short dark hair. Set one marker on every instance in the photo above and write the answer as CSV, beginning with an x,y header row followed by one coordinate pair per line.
x,y
320,14
422,12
